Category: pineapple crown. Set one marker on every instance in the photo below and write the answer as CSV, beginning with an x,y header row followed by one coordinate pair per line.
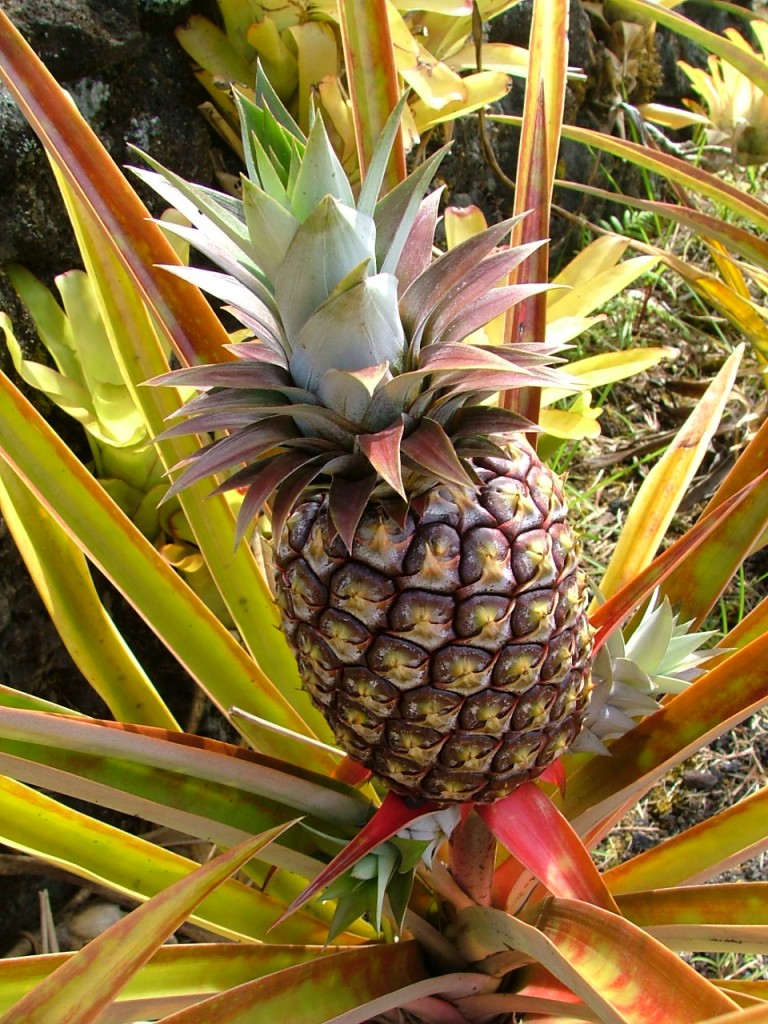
x,y
359,371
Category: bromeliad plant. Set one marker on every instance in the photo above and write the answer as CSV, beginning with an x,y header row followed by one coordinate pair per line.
x,y
299,47
428,583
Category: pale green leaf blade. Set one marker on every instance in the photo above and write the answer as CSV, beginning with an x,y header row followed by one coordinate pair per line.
x,y
62,577
85,985
36,824
722,697
113,543
235,572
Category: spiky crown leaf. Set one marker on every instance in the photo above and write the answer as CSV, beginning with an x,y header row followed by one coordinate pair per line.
x,y
359,373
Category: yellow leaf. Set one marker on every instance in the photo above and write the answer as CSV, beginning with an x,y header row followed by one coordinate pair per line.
x,y
671,117
481,89
513,60
595,288
570,425
666,484
463,222
608,367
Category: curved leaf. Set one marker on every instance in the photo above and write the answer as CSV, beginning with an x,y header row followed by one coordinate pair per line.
x,y
316,992
84,986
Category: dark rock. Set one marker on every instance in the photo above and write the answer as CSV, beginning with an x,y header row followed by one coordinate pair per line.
x,y
132,87
76,38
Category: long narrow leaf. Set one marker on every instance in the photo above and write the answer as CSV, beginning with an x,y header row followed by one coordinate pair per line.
x,y
34,823
64,582
750,65
71,143
141,357
709,848
547,846
180,619
192,756
313,993
370,63
721,698
176,976
664,487
83,987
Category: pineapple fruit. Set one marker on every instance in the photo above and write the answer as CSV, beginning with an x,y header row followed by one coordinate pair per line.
x,y
424,566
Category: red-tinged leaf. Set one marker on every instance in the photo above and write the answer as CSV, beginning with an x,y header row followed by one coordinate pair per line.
x,y
485,420
290,491
432,450
346,503
618,607
328,988
537,156
417,251
477,283
497,301
372,78
695,585
189,320
547,1011
501,943
537,835
473,855
393,815
710,706
262,481
351,772
83,987
709,848
555,773
419,300
383,452
644,981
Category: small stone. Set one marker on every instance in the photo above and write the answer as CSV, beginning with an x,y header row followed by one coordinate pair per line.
x,y
703,780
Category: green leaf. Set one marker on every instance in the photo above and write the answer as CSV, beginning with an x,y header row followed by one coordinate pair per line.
x,y
61,575
316,992
83,987
110,540
34,823
175,977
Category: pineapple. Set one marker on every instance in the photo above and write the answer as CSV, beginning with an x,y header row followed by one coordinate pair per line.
x,y
425,569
